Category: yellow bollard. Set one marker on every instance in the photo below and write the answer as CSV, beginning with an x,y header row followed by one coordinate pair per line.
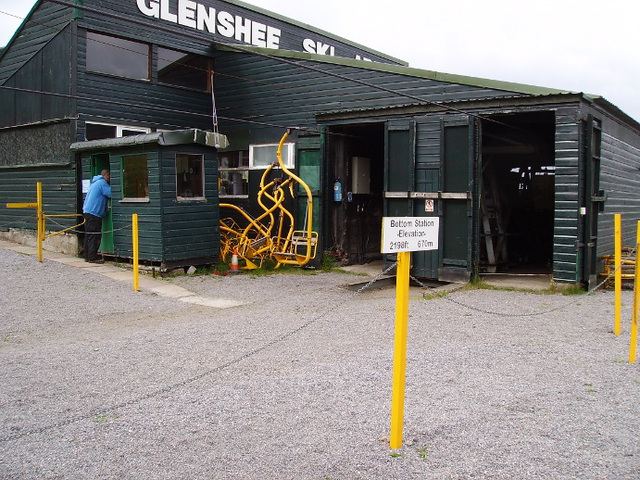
x,y
39,220
136,274
618,273
400,348
636,302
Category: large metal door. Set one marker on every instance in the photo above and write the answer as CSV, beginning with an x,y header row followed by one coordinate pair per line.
x,y
593,201
457,180
399,161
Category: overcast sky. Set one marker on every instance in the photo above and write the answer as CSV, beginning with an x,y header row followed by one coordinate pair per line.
x,y
591,46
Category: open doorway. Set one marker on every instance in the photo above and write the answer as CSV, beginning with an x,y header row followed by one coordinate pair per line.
x,y
356,176
517,193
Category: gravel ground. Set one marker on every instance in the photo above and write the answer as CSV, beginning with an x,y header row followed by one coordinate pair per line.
x,y
99,381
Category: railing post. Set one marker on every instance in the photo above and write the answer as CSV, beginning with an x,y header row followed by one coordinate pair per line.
x,y
636,303
618,273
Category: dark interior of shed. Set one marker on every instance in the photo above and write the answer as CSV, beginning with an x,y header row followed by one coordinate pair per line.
x,y
517,193
357,162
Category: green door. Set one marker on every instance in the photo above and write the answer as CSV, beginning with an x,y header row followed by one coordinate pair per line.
x,y
456,225
98,163
309,164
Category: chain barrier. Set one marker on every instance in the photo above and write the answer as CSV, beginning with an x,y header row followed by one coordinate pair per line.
x,y
265,346
72,230
533,314
190,380
58,224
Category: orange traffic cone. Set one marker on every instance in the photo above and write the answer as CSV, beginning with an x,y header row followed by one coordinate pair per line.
x,y
234,262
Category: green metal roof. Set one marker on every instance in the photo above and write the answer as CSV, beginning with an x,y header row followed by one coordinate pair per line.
x,y
397,69
513,87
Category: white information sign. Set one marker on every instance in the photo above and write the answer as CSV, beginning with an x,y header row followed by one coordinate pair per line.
x,y
409,234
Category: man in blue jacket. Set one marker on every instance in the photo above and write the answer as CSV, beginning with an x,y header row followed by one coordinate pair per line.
x,y
94,209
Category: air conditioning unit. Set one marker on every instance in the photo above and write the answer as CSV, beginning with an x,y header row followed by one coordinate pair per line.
x,y
360,176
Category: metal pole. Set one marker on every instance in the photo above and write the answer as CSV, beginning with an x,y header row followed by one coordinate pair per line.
x,y
618,274
136,280
636,302
400,348
39,219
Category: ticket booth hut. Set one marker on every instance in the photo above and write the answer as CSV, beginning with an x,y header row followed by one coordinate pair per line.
x,y
170,179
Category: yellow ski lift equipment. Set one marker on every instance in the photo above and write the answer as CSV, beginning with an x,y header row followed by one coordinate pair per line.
x,y
252,243
256,241
298,247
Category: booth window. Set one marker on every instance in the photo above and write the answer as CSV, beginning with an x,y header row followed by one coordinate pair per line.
x,y
261,156
233,168
98,131
183,69
189,176
117,56
135,177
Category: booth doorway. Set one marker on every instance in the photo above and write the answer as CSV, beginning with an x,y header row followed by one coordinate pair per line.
x,y
517,193
100,162
356,179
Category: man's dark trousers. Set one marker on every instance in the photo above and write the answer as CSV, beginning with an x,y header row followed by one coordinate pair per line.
x,y
92,236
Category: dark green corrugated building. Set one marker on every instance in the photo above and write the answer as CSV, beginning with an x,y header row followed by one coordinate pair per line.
x,y
524,179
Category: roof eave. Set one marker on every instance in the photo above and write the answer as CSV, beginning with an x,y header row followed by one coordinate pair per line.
x,y
16,34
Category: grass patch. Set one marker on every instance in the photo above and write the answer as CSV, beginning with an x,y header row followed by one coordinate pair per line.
x,y
100,419
478,283
423,452
431,295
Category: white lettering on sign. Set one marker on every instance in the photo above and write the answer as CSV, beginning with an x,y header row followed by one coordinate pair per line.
x,y
311,46
409,234
201,17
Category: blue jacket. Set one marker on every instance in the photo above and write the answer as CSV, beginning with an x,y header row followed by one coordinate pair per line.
x,y
95,202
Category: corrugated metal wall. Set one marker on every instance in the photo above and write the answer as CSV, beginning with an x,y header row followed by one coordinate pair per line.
x,y
58,192
620,180
566,221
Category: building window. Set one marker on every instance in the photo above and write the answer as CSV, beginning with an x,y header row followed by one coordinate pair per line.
x,y
98,131
117,56
183,69
261,156
189,176
233,168
135,177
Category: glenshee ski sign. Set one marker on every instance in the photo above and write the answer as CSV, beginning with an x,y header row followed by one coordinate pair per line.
x,y
218,22
232,26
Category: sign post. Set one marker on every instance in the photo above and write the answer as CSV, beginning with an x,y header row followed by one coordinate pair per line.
x,y
403,235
